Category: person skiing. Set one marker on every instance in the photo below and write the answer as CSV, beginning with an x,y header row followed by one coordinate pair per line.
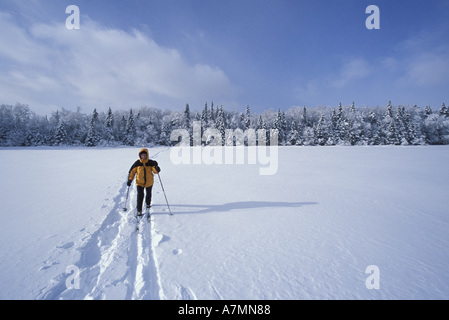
x,y
145,169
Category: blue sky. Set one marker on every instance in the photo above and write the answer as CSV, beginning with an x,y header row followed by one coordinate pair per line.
x,y
267,54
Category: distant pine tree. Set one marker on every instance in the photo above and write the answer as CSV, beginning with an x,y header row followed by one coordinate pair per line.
x,y
444,110
220,124
61,135
130,132
292,138
92,138
321,132
109,124
247,118
187,121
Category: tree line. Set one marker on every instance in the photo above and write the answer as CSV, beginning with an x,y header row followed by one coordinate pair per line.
x,y
297,126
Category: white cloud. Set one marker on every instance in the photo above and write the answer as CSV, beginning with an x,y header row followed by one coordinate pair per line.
x,y
427,69
332,88
352,70
425,59
17,45
48,64
307,91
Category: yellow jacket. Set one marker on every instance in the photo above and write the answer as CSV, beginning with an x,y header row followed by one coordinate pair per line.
x,y
145,169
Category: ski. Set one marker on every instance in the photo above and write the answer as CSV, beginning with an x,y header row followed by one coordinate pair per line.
x,y
138,220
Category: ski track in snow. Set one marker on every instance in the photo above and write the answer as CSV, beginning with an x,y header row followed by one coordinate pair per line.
x,y
116,261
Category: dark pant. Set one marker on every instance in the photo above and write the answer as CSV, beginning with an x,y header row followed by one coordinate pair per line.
x,y
140,197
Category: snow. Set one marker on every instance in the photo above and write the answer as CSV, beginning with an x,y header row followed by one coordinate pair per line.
x,y
313,230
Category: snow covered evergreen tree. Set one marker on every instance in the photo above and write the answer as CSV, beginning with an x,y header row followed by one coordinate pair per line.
x,y
372,128
92,137
280,124
187,122
130,132
444,110
292,137
355,134
247,118
109,124
340,126
309,137
205,118
166,129
428,111
262,140
221,124
213,114
61,135
388,128
321,132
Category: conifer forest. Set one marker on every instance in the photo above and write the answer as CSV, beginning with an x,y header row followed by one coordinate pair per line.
x,y
297,126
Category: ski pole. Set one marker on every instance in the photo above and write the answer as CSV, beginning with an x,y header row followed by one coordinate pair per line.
x,y
126,201
164,194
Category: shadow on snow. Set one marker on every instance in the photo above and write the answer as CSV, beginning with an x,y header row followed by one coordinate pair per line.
x,y
196,209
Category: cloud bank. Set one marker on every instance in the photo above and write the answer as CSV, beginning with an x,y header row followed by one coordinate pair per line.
x,y
48,66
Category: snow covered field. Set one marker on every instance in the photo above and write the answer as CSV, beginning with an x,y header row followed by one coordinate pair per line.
x,y
308,232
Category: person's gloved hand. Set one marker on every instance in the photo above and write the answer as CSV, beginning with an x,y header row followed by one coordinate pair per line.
x,y
129,183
